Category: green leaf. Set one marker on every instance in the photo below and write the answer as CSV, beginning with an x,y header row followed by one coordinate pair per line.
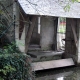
x,y
67,7
1,78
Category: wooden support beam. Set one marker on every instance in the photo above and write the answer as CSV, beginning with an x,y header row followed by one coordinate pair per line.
x,y
21,27
22,19
74,32
29,33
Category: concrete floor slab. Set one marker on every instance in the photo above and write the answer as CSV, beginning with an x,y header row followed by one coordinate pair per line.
x,y
52,64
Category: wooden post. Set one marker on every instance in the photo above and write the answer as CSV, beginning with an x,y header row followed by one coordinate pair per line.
x,y
29,34
21,27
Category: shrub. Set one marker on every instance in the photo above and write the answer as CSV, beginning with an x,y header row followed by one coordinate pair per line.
x,y
14,66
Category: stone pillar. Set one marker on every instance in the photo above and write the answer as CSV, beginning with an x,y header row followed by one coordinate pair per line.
x,y
20,43
78,49
70,47
47,33
55,34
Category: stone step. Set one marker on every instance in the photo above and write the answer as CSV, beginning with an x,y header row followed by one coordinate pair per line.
x,y
52,64
34,48
38,56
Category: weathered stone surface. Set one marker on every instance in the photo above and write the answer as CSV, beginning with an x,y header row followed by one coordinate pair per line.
x,y
52,64
47,33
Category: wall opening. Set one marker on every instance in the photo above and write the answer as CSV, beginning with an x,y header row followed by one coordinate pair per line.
x,y
35,38
61,30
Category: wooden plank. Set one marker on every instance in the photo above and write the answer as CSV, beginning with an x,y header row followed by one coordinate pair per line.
x,y
29,34
74,32
52,64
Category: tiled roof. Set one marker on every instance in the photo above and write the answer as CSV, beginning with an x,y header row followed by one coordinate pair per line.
x,y
50,8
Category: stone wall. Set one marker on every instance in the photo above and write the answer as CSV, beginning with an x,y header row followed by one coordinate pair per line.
x,y
47,33
20,42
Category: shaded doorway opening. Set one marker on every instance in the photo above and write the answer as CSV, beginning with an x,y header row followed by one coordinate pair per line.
x,y
35,38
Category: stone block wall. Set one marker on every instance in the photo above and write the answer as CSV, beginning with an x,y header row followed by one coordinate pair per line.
x,y
70,47
47,33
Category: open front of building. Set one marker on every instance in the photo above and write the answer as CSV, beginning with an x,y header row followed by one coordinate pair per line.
x,y
36,36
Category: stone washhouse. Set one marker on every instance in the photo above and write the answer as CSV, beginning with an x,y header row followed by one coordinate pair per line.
x,y
36,32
